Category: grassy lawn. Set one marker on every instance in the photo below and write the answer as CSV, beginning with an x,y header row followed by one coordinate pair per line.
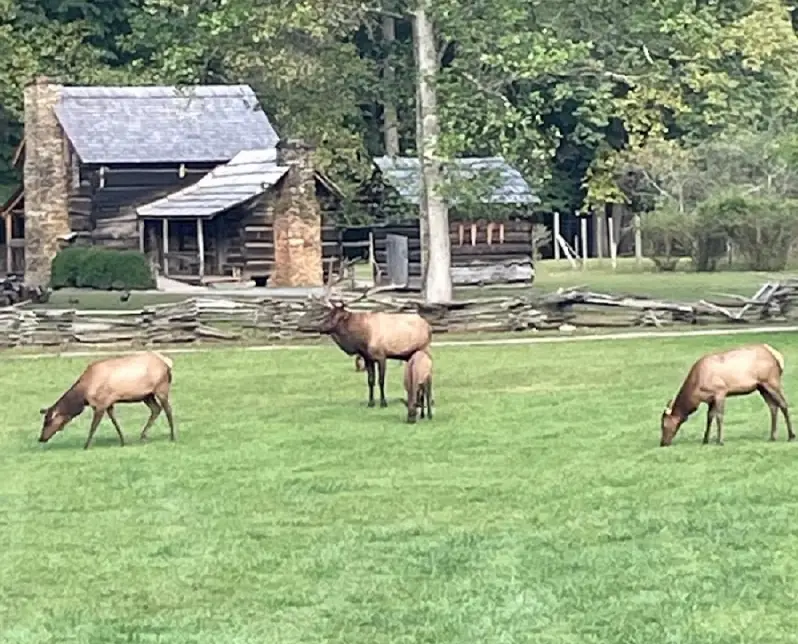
x,y
627,278
535,507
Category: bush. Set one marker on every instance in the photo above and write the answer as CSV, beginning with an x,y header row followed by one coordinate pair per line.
x,y
710,234
763,229
101,268
667,236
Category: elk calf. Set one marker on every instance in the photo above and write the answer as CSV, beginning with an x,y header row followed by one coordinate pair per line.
x,y
717,376
418,385
142,377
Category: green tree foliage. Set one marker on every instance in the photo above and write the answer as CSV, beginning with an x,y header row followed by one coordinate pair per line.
x,y
563,92
739,189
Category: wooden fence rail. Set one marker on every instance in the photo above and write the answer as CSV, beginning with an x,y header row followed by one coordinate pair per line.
x,y
212,319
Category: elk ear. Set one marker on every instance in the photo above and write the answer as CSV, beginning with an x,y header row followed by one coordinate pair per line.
x,y
43,411
404,402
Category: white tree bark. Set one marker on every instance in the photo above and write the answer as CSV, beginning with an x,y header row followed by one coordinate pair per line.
x,y
433,208
390,117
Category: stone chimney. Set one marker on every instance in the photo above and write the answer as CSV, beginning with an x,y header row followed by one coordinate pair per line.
x,y
46,181
297,220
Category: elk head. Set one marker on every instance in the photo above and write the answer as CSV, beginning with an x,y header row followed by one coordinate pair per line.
x,y
669,425
337,312
53,422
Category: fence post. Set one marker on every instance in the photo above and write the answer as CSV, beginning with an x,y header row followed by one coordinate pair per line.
x,y
583,226
638,242
556,235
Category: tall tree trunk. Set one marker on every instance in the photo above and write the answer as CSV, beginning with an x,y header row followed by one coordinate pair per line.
x,y
390,117
423,223
438,279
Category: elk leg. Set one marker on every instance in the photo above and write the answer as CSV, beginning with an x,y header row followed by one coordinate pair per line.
x,y
710,418
381,365
167,408
155,411
118,429
429,400
773,407
778,397
421,399
98,416
720,404
371,379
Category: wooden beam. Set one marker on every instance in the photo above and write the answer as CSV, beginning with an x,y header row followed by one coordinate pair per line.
x,y
638,242
220,247
556,235
9,230
165,233
613,247
141,224
201,246
583,226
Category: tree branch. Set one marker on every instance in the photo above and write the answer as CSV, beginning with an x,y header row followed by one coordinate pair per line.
x,y
485,89
384,12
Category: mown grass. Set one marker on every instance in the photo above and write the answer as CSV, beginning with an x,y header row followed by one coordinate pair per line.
x,y
535,507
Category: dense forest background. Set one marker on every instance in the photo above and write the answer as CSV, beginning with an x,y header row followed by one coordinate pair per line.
x,y
593,101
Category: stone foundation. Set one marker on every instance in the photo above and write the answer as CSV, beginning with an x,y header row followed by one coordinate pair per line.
x,y
297,220
46,181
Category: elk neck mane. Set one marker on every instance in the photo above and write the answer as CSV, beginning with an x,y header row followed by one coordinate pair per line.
x,y
73,401
684,403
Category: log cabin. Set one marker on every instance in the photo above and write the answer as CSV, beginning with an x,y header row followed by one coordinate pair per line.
x,y
112,166
491,211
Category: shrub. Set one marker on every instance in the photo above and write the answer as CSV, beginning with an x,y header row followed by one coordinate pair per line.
x,y
667,236
763,229
101,268
710,234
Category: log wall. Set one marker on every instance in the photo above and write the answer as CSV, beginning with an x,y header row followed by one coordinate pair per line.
x,y
483,252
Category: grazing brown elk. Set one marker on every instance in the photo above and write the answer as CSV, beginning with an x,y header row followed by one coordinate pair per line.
x,y
418,385
374,336
720,375
141,377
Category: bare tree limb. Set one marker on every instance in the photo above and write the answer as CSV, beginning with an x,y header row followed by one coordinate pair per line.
x,y
383,12
485,89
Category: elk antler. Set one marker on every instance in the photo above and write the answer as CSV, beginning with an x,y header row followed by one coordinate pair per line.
x,y
368,292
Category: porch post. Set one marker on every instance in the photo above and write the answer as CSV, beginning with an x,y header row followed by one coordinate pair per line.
x,y
201,246
141,234
9,230
165,235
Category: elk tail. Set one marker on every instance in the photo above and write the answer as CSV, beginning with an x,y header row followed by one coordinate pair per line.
x,y
777,356
167,361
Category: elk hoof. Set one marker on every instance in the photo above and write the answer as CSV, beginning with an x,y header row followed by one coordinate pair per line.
x,y
791,438
383,403
144,438
371,403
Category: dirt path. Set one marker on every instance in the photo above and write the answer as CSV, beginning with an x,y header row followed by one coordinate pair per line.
x,y
605,337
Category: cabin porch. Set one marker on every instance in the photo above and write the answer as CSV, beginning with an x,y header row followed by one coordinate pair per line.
x,y
198,249
12,235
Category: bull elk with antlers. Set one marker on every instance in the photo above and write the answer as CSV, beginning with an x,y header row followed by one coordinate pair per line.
x,y
374,336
